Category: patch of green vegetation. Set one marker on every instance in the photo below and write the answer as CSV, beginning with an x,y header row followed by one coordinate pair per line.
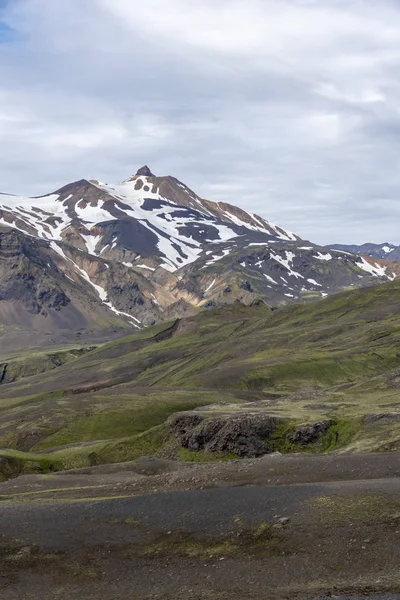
x,y
14,557
14,463
30,399
340,435
260,539
318,371
125,449
136,415
132,522
25,364
368,508
281,439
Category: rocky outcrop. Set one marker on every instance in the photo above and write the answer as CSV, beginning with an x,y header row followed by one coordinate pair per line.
x,y
25,275
144,171
309,433
246,435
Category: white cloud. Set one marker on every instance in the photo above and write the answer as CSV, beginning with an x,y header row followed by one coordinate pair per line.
x,y
288,108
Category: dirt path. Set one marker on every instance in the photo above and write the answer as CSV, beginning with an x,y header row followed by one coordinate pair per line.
x,y
282,527
149,475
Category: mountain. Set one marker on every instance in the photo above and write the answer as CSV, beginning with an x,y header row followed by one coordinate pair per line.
x,y
386,251
95,255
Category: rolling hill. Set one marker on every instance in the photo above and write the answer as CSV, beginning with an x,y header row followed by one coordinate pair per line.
x,y
311,377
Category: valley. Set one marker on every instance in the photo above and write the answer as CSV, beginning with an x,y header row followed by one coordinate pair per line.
x,y
254,434
188,391
199,357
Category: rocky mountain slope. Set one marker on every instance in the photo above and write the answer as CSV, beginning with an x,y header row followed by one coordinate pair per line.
x,y
149,249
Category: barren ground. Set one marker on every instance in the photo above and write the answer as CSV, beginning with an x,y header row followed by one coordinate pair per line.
x,y
279,527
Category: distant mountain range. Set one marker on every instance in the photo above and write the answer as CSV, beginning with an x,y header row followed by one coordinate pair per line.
x,y
385,250
93,255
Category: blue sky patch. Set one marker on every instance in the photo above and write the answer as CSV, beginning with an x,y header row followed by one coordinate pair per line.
x,y
6,33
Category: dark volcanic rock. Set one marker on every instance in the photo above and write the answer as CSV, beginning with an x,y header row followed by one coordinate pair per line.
x,y
245,435
181,424
309,433
127,295
246,285
27,440
24,274
144,172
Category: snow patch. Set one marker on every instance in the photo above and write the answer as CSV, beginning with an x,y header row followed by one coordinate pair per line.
x,y
341,252
217,258
91,242
321,256
313,282
123,314
210,286
286,262
145,267
270,279
376,270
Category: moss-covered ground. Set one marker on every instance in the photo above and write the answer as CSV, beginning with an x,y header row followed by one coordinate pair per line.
x,y
332,359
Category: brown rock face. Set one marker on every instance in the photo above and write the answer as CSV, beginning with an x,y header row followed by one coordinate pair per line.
x,y
245,435
25,276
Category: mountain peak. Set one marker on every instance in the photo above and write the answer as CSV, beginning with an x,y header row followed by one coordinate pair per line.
x,y
144,172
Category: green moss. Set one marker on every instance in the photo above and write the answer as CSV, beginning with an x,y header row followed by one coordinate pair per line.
x,y
341,434
121,450
25,364
281,438
132,522
317,370
338,435
367,508
14,463
264,539
144,414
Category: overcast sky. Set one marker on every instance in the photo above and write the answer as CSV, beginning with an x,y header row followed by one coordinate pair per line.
x,y
287,108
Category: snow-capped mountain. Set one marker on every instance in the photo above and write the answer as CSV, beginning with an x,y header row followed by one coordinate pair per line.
x,y
161,219
149,249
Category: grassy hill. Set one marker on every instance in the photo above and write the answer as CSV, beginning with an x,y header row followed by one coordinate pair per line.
x,y
333,362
